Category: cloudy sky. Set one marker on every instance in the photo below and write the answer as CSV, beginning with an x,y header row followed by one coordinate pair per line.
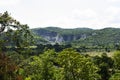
x,y
94,14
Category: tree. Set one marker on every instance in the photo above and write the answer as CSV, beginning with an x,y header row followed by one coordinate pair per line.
x,y
105,64
77,66
42,67
8,69
14,34
7,22
23,39
116,58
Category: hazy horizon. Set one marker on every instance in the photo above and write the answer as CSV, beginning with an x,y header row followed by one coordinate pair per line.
x,y
95,14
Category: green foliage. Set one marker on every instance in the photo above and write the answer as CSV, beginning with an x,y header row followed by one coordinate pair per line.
x,y
72,64
65,65
41,67
63,31
105,39
14,34
16,57
115,76
8,23
59,64
28,78
116,58
8,69
105,64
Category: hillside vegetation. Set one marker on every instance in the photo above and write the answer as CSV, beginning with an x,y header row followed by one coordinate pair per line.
x,y
102,38
55,53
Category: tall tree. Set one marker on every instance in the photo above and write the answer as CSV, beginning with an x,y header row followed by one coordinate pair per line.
x,y
7,22
13,32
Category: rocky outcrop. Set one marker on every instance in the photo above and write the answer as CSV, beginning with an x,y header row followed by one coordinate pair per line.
x,y
57,37
79,36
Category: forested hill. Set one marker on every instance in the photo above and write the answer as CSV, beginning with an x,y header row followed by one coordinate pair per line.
x,y
80,36
55,34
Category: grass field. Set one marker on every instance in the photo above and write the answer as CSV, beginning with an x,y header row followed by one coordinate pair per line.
x,y
95,53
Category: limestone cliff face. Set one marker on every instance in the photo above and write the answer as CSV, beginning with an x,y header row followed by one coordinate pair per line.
x,y
57,37
79,36
74,37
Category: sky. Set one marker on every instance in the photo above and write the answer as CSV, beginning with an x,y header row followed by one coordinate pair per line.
x,y
96,14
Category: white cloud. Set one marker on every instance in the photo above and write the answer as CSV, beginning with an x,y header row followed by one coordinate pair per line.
x,y
8,2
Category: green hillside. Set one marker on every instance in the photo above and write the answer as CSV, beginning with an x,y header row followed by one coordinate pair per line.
x,y
104,37
81,36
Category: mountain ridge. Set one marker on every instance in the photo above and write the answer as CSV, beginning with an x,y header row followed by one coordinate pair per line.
x,y
80,36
